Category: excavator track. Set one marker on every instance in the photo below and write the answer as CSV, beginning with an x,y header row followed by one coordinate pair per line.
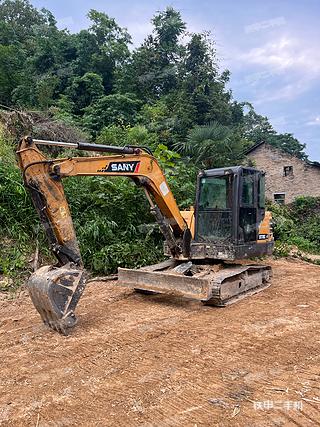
x,y
212,284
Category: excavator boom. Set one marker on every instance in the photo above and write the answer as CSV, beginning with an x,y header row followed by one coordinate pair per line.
x,y
43,177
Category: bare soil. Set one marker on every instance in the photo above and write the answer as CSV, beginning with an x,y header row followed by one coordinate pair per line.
x,y
139,360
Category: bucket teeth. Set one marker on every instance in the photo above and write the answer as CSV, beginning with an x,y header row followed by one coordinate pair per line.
x,y
55,293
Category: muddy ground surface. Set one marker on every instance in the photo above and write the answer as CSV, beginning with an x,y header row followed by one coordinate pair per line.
x,y
154,361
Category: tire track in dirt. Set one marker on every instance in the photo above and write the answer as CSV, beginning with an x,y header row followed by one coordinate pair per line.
x,y
155,361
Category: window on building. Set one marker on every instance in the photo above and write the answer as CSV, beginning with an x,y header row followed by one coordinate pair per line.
x,y
279,198
288,171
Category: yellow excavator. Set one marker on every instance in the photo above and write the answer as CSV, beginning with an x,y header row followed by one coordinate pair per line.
x,y
228,223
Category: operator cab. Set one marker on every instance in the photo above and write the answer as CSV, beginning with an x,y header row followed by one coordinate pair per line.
x,y
229,208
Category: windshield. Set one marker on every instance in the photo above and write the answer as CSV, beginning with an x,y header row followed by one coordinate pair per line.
x,y
216,192
214,220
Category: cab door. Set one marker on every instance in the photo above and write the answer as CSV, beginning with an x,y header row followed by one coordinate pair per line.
x,y
214,214
248,206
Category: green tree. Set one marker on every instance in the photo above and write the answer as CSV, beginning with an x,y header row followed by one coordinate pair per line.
x,y
213,145
257,128
45,88
42,53
202,95
288,143
18,18
102,48
11,59
111,109
153,70
85,90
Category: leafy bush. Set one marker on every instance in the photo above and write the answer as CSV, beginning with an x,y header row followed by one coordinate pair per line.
x,y
180,174
298,224
305,206
283,224
112,109
281,249
108,214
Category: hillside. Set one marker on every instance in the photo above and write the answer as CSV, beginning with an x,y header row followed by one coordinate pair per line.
x,y
118,229
169,94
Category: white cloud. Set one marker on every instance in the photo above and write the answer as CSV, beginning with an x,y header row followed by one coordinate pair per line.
x,y
314,122
263,25
286,92
281,69
285,54
256,78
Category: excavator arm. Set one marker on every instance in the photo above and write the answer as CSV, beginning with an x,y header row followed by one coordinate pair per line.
x,y
59,290
43,177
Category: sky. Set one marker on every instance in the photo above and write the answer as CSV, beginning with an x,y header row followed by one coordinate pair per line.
x,y
271,48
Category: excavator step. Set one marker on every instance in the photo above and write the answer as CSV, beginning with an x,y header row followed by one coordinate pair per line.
x,y
215,284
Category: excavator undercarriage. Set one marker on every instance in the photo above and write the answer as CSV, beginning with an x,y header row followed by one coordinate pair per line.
x,y
228,224
212,284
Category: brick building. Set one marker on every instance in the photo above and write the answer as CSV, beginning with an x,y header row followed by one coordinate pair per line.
x,y
286,176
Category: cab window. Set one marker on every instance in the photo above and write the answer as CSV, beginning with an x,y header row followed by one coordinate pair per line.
x,y
216,192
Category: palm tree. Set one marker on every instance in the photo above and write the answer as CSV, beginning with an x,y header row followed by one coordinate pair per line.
x,y
213,145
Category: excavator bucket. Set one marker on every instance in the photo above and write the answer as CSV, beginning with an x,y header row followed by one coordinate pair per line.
x,y
55,292
212,284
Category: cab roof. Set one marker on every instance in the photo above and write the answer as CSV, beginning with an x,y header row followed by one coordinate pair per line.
x,y
235,170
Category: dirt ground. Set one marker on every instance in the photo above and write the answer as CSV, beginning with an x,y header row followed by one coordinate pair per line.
x,y
154,361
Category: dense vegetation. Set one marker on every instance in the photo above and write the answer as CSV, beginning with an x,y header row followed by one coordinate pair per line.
x,y
168,94
297,226
171,85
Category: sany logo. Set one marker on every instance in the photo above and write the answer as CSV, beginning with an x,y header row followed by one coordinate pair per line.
x,y
119,167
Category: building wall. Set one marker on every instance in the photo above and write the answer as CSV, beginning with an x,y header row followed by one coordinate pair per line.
x,y
304,182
